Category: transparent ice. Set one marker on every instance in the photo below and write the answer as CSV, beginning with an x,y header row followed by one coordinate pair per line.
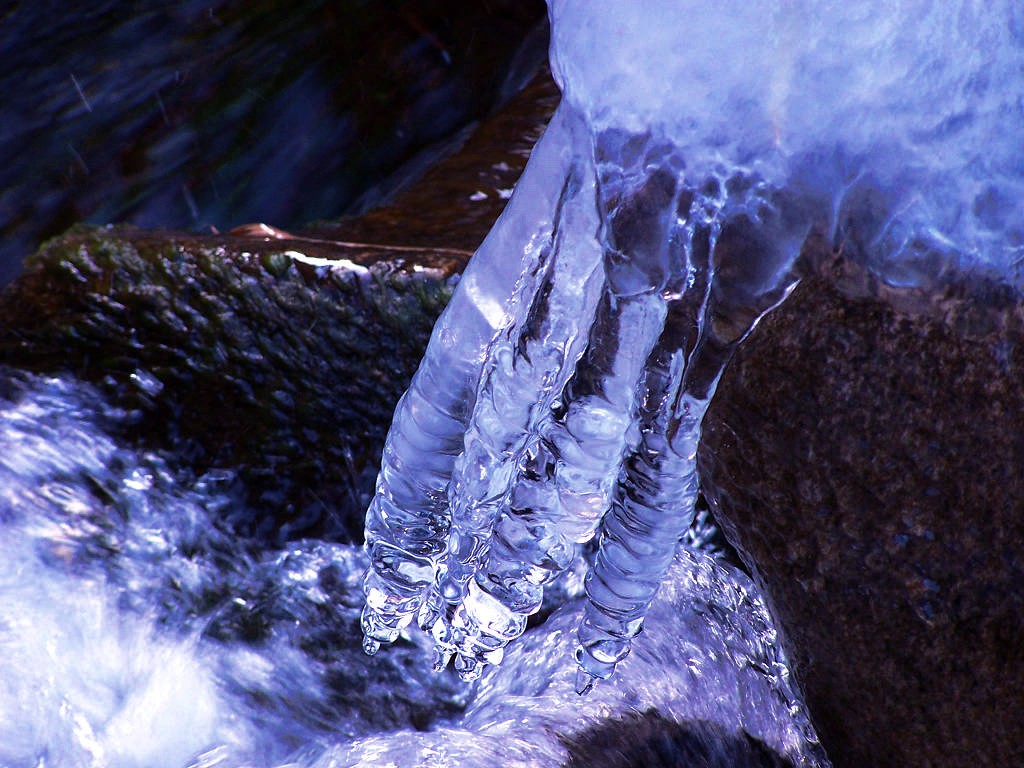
x,y
696,148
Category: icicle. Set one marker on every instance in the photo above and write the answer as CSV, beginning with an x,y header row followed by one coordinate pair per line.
x,y
408,521
713,311
527,371
564,388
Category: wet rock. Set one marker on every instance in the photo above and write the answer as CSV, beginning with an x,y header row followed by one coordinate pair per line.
x,y
234,360
264,357
650,741
864,454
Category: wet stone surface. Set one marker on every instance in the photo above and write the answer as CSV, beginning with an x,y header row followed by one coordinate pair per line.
x,y
863,453
647,740
244,357
249,364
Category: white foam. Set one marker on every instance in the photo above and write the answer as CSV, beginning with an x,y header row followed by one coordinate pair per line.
x,y
83,684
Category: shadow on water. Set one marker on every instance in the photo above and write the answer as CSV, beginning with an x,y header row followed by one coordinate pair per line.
x,y
650,741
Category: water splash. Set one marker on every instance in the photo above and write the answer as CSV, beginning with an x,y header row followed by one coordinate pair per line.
x,y
694,152
710,657
83,685
137,629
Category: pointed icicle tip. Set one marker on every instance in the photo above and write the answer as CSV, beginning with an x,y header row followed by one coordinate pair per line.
x,y
440,660
584,682
468,668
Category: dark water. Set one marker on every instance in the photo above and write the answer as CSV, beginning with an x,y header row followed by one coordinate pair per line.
x,y
194,115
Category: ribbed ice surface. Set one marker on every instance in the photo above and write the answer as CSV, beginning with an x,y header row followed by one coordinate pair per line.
x,y
695,149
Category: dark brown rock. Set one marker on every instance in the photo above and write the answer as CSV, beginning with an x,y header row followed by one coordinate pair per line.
x,y
864,453
454,202
648,740
232,355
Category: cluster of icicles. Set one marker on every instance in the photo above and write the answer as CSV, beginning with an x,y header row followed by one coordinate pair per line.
x,y
562,394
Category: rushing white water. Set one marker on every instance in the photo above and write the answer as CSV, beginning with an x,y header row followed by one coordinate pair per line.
x,y
136,629
84,686
695,149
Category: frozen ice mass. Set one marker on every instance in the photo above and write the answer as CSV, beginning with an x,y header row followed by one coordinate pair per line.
x,y
696,148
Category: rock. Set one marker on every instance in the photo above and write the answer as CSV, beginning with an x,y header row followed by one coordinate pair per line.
x,y
650,741
247,353
863,453
233,359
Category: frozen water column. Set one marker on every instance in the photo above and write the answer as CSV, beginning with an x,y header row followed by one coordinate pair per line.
x,y
559,367
779,117
409,519
694,149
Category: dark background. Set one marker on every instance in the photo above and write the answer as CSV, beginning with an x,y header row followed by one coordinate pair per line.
x,y
198,115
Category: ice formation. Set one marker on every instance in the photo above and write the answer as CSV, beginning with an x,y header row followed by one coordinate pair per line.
x,y
695,149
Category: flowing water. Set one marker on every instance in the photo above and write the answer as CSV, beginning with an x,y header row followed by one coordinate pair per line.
x,y
138,629
195,114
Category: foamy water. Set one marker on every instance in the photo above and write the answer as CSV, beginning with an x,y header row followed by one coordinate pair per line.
x,y
136,631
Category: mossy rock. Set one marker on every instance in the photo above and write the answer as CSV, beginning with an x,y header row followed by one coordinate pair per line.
x,y
232,355
235,357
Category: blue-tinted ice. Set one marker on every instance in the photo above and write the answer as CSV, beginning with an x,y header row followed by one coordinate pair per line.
x,y
695,149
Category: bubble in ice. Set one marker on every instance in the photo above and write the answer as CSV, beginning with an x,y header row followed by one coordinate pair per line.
x,y
695,150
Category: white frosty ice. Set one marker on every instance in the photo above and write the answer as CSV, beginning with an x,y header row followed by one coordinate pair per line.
x,y
695,149
921,99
